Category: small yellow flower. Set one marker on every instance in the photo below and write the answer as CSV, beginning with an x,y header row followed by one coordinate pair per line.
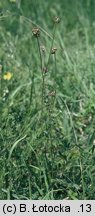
x,y
7,76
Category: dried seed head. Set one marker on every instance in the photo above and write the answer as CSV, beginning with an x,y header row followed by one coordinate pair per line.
x,y
53,50
45,70
36,32
56,19
53,93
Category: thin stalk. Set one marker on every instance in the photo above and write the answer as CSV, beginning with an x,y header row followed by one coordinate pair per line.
x,y
43,80
53,37
55,72
50,108
43,88
32,86
49,129
41,62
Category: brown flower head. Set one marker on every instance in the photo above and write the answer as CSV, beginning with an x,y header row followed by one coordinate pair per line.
x,y
53,93
53,50
56,19
45,70
36,32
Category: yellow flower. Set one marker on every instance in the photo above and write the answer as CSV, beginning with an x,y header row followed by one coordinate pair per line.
x,y
7,76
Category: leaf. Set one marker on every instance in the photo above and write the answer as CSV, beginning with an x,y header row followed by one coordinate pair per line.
x,y
14,145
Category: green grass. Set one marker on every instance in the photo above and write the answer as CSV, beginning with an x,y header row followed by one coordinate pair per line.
x,y
47,108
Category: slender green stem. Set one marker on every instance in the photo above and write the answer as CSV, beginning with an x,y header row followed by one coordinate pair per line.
x,y
54,31
43,80
40,55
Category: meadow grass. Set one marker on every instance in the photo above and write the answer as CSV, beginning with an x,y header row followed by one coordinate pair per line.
x,y
47,100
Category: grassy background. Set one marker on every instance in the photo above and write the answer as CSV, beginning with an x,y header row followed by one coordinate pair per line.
x,y
47,123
